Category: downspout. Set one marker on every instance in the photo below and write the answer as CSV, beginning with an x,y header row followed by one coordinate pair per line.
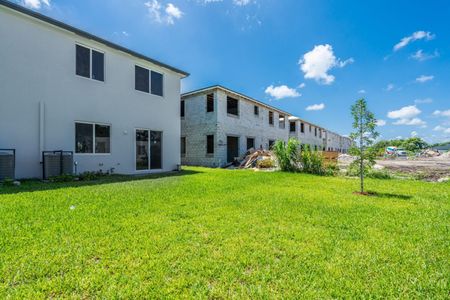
x,y
41,128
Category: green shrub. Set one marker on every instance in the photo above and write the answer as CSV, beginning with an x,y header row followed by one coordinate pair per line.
x,y
379,174
89,176
8,182
287,154
62,178
312,161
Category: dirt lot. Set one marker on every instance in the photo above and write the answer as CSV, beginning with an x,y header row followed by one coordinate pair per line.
x,y
428,168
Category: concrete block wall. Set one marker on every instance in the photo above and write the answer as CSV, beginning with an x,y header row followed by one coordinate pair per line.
x,y
196,125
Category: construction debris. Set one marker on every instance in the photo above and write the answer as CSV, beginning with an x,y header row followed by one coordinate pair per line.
x,y
429,153
254,156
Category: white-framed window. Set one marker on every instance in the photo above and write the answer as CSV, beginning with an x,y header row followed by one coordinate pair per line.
x,y
148,81
89,63
92,138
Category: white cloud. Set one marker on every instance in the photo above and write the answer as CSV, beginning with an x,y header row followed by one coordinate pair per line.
x,y
439,128
407,116
406,112
361,91
424,78
242,2
414,133
418,35
423,101
318,62
381,123
168,16
173,12
282,91
410,122
440,113
302,85
36,4
320,106
389,87
422,56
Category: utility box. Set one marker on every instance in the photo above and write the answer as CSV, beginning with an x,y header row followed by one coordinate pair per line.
x,y
7,164
57,163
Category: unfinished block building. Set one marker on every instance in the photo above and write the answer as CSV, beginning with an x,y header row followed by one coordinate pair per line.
x,y
218,124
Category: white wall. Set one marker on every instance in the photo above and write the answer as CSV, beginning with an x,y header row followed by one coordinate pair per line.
x,y
37,64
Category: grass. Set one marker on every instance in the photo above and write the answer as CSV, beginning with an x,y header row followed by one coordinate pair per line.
x,y
225,234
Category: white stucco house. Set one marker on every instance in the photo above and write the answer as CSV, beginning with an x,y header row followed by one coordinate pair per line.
x,y
65,89
219,124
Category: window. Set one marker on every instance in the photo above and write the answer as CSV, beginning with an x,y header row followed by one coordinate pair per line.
x,y
102,139
182,108
250,143
256,110
183,146
148,81
292,126
271,142
92,138
315,131
270,118
281,122
141,77
320,133
98,66
210,144
232,106
315,147
210,103
90,63
302,127
310,128
157,83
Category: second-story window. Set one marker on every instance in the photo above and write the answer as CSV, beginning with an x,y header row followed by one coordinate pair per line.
x,y
270,117
256,110
232,106
182,108
90,63
302,127
210,103
148,81
281,122
315,131
292,126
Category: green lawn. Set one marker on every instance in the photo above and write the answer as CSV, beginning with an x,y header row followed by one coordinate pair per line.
x,y
225,234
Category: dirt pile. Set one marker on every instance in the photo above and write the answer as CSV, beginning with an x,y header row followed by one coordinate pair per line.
x,y
429,153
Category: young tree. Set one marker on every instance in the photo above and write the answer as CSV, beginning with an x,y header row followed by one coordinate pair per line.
x,y
364,123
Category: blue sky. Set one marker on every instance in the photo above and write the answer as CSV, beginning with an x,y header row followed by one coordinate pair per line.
x,y
312,58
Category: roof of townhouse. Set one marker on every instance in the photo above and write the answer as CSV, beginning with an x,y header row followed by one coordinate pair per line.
x,y
219,87
87,35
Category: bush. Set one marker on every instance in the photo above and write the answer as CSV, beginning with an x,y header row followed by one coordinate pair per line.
x,y
379,174
89,176
287,154
312,161
62,178
8,182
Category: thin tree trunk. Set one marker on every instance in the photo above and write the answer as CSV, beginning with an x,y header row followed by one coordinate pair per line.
x,y
361,149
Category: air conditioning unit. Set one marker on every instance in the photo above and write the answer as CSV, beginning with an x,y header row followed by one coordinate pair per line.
x,y
56,163
7,163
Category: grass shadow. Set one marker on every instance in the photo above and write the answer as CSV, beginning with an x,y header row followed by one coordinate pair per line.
x,y
389,195
28,186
